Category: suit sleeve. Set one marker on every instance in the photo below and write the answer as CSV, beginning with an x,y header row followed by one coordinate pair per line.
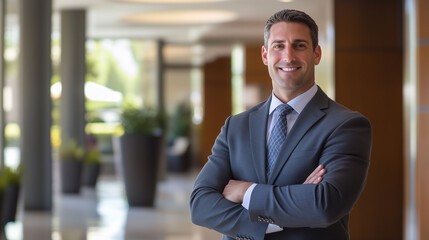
x,y
345,156
209,208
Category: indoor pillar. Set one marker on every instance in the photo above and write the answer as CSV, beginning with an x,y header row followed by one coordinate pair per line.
x,y
217,103
422,119
72,118
368,79
160,76
35,102
2,81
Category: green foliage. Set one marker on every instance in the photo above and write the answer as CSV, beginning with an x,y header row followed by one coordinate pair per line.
x,y
93,156
10,176
103,68
142,121
70,150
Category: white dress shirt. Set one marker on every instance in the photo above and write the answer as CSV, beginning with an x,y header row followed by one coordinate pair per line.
x,y
298,104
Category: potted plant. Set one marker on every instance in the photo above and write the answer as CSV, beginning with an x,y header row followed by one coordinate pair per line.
x,y
10,181
91,167
140,147
71,158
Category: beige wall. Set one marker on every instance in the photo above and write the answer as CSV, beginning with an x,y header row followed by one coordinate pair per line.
x,y
177,87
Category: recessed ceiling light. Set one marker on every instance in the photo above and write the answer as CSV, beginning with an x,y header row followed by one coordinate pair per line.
x,y
285,0
183,17
171,1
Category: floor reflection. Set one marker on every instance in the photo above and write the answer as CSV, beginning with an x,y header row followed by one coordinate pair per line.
x,y
103,214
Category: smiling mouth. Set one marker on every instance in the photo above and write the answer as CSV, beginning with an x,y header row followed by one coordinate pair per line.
x,y
290,69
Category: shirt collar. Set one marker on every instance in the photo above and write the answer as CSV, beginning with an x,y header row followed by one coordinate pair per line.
x,y
298,103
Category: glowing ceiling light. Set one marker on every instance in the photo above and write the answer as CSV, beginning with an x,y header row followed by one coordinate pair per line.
x,y
183,17
171,1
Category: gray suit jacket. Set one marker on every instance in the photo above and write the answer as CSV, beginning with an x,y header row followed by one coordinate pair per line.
x,y
324,133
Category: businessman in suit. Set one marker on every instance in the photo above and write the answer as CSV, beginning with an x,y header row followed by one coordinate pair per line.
x,y
293,166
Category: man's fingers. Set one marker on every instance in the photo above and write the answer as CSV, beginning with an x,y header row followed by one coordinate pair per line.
x,y
314,173
316,176
316,180
234,191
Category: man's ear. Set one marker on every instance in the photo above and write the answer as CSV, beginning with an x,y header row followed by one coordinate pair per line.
x,y
264,55
317,55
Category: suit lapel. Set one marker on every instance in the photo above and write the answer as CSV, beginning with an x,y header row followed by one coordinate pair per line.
x,y
257,130
311,114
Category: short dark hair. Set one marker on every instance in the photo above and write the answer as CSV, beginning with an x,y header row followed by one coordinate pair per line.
x,y
289,15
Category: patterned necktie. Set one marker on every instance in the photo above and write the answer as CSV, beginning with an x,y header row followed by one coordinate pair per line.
x,y
277,136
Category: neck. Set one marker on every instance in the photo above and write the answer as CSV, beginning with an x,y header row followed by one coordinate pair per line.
x,y
286,95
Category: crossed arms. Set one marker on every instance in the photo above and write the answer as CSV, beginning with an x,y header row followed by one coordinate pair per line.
x,y
343,149
235,189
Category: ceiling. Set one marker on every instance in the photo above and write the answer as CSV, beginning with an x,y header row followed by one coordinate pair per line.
x,y
105,19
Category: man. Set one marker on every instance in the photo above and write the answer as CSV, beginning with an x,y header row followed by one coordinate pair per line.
x,y
293,166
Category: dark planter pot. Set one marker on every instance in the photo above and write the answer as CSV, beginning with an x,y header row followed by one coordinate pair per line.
x,y
10,203
140,156
71,172
90,174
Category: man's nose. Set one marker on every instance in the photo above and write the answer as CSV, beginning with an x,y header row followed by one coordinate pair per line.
x,y
288,54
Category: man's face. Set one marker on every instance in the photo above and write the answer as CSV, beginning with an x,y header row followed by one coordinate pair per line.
x,y
290,59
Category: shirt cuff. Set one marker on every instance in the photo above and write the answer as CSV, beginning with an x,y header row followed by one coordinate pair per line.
x,y
246,202
246,198
273,228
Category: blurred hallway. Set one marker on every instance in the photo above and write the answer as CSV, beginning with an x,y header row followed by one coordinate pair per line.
x,y
103,214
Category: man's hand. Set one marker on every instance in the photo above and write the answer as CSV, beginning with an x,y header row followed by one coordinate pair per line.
x,y
234,191
316,176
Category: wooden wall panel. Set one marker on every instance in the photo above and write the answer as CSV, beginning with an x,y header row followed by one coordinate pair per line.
x,y
256,73
368,76
217,103
422,176
422,160
423,73
368,24
423,19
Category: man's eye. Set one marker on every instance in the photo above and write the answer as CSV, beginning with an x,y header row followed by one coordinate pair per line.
x,y
300,45
278,46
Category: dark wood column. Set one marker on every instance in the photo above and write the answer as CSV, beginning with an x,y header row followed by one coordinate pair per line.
x,y
368,76
256,73
422,160
217,102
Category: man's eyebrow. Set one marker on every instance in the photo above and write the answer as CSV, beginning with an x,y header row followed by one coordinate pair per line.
x,y
300,40
295,41
277,41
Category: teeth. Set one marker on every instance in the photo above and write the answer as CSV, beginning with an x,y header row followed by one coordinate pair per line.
x,y
289,69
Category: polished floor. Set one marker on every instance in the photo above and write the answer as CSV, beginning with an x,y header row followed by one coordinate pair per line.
x,y
103,214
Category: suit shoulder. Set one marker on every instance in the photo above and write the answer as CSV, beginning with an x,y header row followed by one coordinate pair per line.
x,y
335,111
340,111
245,114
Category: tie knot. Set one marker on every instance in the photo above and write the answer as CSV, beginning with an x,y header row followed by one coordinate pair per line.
x,y
284,109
